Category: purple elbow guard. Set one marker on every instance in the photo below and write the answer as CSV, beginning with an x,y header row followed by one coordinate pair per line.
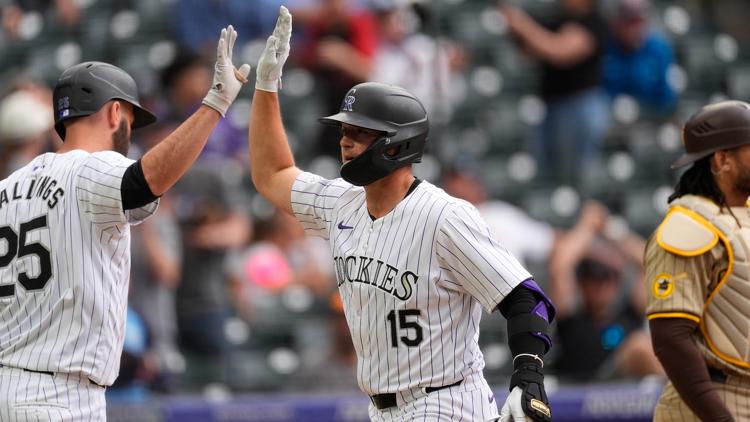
x,y
544,309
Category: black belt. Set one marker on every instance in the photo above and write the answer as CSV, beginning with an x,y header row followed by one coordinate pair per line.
x,y
717,375
39,372
386,400
52,374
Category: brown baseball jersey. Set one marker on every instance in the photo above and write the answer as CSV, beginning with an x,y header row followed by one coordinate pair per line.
x,y
696,265
678,286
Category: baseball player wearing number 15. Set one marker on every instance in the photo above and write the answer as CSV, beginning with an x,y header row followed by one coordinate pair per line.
x,y
65,237
414,265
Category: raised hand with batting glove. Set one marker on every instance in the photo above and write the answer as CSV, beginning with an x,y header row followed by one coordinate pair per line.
x,y
227,80
271,63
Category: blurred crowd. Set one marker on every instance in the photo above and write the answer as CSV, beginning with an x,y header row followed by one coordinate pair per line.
x,y
227,294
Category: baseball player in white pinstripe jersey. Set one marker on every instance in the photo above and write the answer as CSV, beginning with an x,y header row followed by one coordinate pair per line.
x,y
414,265
65,238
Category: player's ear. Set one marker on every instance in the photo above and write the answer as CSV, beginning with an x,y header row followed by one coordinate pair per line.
x,y
720,162
113,114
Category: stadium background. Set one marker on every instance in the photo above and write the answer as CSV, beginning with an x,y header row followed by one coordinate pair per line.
x,y
276,327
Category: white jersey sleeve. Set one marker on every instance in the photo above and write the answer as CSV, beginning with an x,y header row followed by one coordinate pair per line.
x,y
473,260
313,202
98,190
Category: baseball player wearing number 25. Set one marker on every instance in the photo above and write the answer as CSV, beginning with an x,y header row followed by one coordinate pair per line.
x,y
414,265
65,237
699,273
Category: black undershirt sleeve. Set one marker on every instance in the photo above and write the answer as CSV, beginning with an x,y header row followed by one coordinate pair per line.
x,y
686,367
134,188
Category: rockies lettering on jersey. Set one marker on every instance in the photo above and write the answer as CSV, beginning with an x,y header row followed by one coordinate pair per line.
x,y
65,264
357,270
413,282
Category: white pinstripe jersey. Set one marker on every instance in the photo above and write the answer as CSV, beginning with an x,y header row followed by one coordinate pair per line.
x,y
65,264
413,282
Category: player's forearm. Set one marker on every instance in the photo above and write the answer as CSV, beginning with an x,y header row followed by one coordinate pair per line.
x,y
269,149
561,49
529,312
633,246
686,368
165,163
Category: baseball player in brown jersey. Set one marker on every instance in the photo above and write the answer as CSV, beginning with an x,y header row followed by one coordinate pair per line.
x,y
698,273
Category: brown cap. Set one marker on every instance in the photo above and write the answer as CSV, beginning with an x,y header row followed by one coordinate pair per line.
x,y
715,127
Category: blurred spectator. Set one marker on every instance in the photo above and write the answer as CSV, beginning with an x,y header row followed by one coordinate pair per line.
x,y
155,274
25,123
339,41
412,60
280,257
130,385
577,109
529,240
728,16
67,13
214,225
210,208
601,320
186,81
196,22
637,58
335,370
309,264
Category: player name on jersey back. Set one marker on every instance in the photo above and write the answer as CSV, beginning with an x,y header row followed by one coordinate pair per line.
x,y
45,188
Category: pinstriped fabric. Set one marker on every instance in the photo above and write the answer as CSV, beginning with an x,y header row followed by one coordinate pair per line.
x,y
691,278
413,284
448,405
735,393
679,286
67,209
28,396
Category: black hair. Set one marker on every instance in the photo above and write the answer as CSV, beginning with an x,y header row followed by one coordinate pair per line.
x,y
590,269
699,180
184,59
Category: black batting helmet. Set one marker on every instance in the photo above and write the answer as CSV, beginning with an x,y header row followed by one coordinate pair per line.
x,y
389,109
715,127
84,88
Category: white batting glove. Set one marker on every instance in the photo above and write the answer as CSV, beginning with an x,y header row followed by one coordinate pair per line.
x,y
512,410
268,73
227,80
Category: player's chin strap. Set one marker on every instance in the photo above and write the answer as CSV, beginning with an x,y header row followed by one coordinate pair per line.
x,y
529,312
